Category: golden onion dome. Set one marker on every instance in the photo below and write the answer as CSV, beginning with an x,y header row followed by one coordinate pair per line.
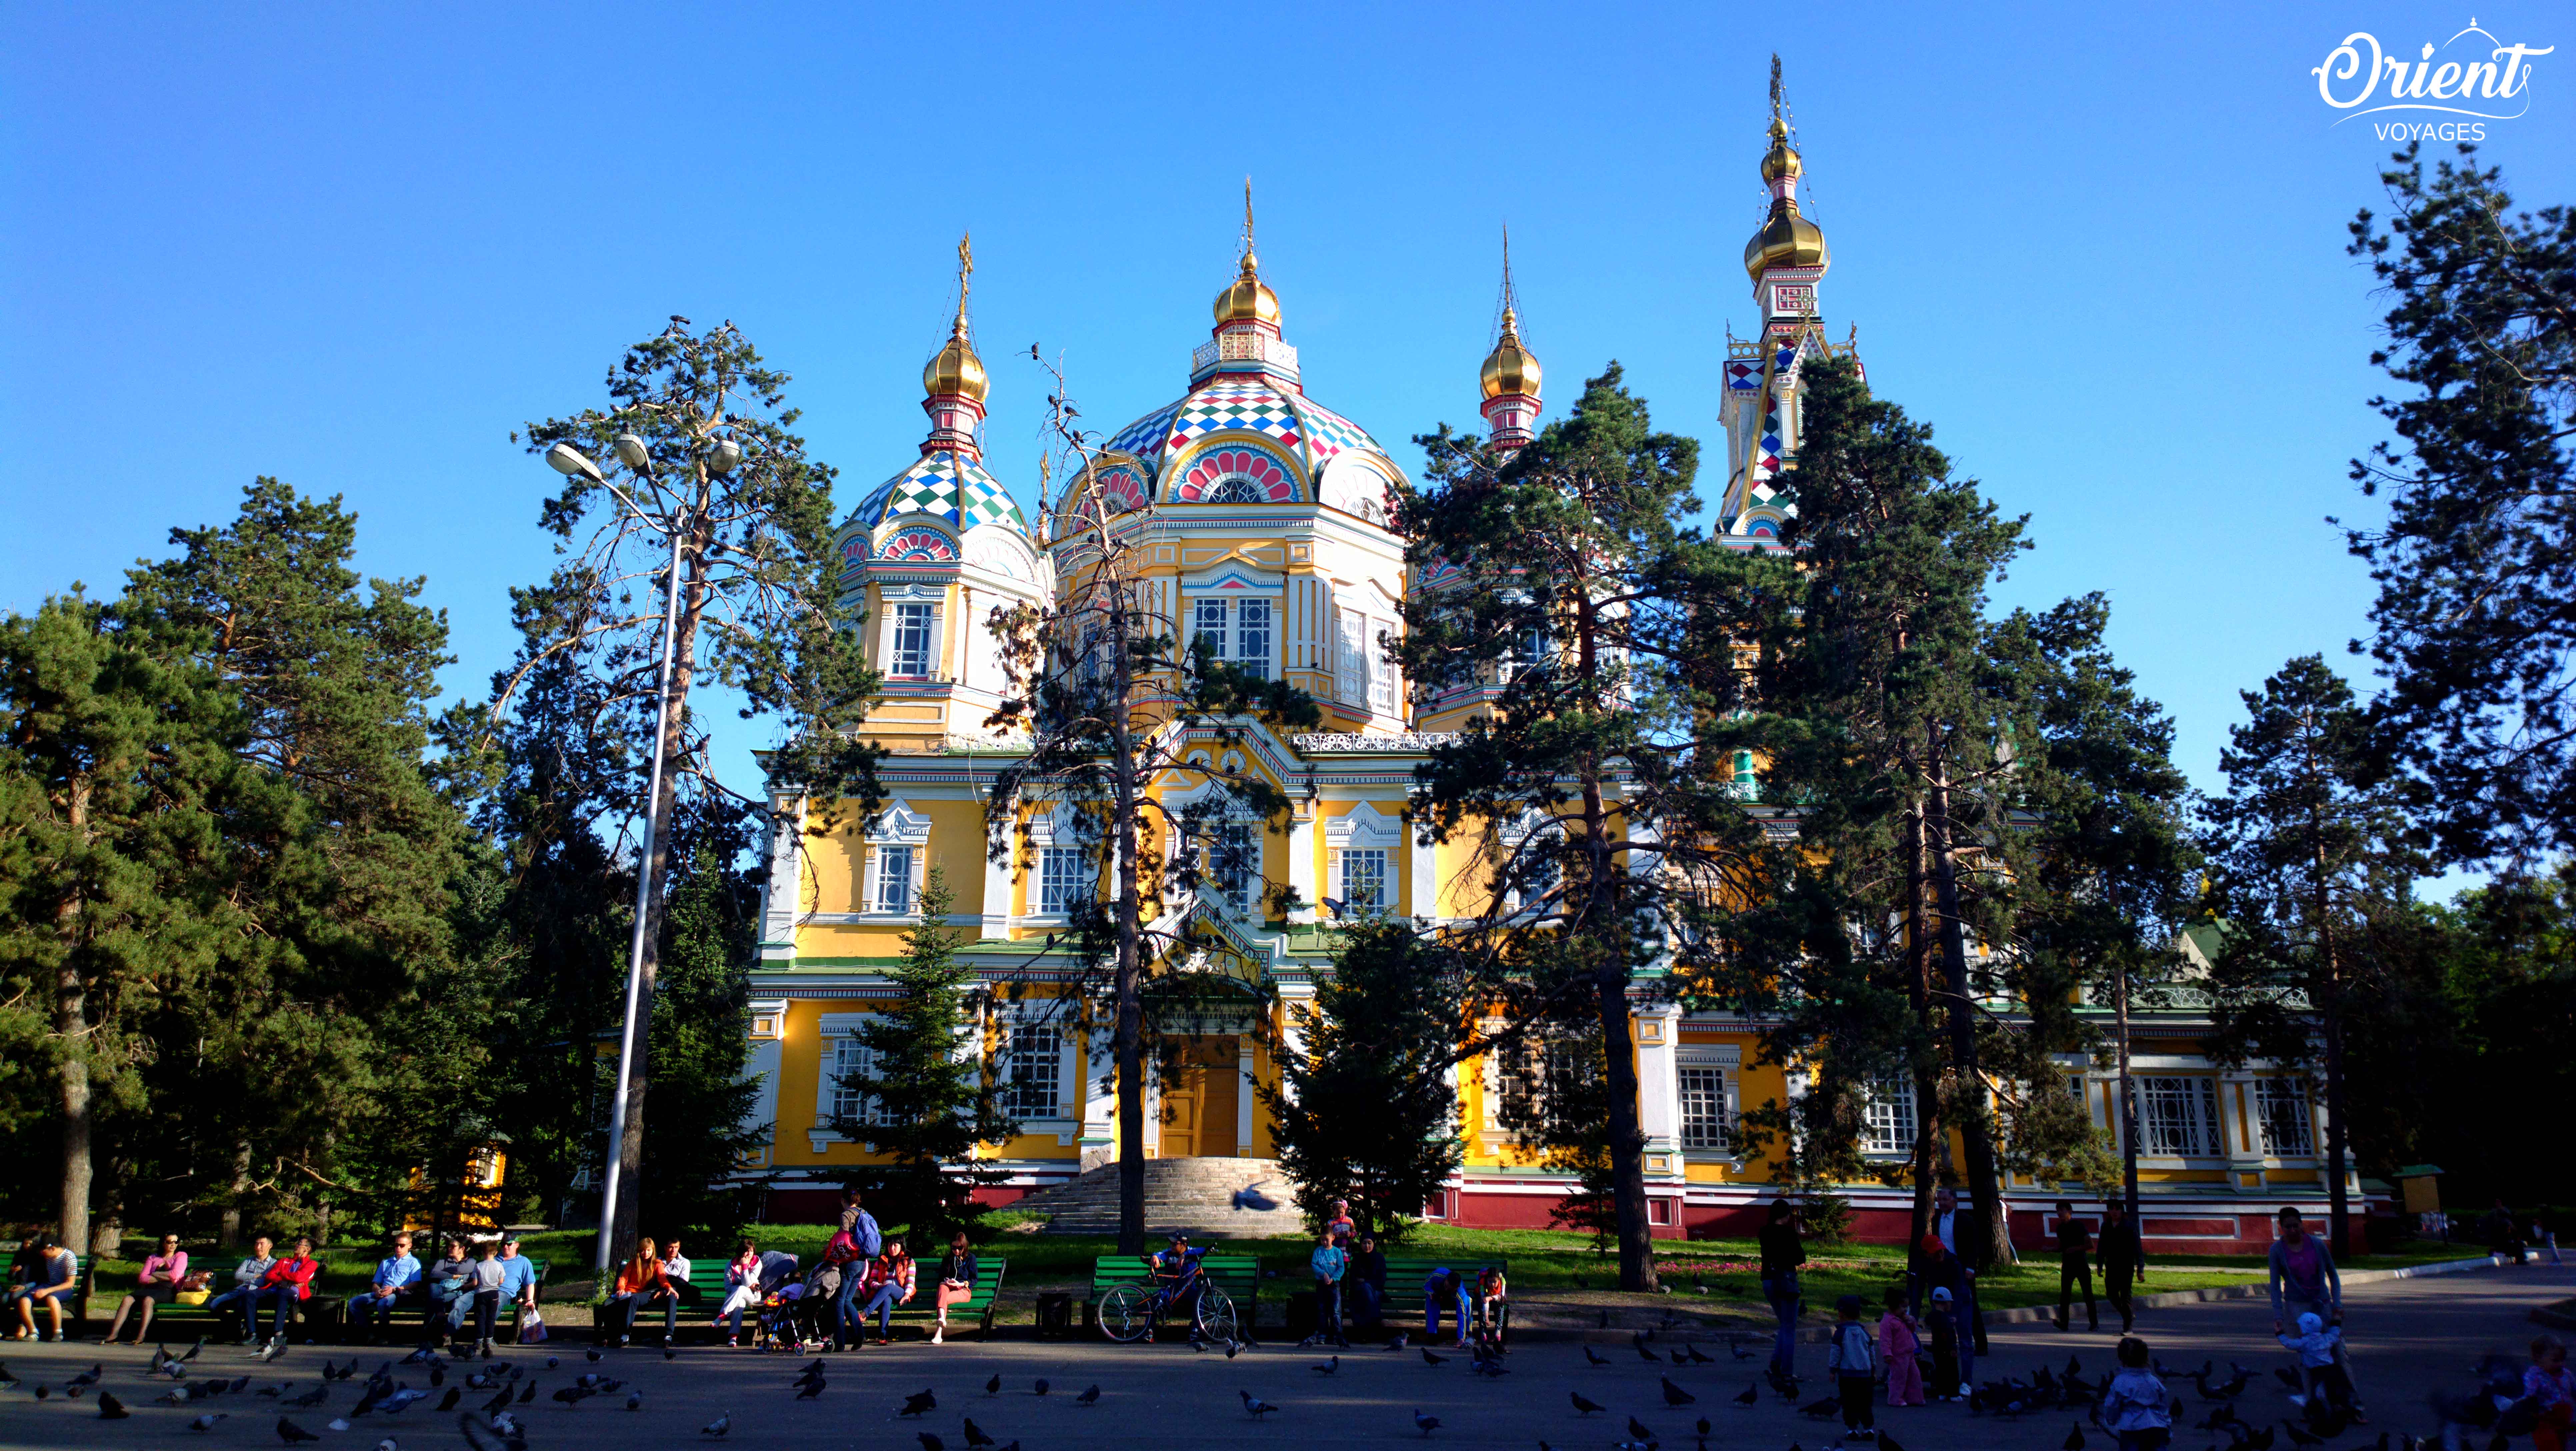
x,y
1786,240
1247,298
956,369
1510,368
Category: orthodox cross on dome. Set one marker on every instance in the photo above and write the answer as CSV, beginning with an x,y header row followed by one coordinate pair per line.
x,y
965,276
1251,261
953,383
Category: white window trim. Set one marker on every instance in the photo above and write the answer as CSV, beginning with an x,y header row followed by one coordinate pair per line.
x,y
2206,1097
1066,1121
897,825
829,1030
1178,804
1365,828
1045,827
1913,1116
935,596
1727,1060
2263,1120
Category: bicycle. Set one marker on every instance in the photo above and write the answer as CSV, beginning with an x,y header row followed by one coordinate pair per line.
x,y
1129,1311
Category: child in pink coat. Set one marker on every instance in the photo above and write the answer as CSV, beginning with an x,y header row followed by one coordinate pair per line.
x,y
1897,1344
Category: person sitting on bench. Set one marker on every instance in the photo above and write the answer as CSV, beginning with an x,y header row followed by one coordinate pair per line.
x,y
1179,1280
248,1276
288,1284
163,1272
397,1278
640,1284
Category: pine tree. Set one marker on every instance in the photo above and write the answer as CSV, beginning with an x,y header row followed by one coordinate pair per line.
x,y
721,507
701,1022
1117,707
2476,565
1366,1111
2307,854
1600,820
928,1104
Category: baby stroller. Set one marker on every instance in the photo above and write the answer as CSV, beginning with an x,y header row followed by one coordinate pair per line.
x,y
799,1311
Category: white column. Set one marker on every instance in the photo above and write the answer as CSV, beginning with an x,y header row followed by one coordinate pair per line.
x,y
1099,1100
998,877
1422,859
781,897
1659,1094
1293,1006
1243,1094
1301,864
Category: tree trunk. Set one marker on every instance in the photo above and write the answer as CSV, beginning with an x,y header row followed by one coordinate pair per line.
x,y
2329,1010
627,1212
1992,1219
1627,1135
71,1024
2128,1110
1129,1036
1918,991
232,1218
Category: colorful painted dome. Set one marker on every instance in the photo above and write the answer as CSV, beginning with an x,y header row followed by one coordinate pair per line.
x,y
946,484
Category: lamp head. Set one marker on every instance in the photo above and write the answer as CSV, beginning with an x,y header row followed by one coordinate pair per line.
x,y
724,457
570,461
632,450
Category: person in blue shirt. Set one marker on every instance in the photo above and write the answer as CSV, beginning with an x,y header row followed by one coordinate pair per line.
x,y
1329,1262
1182,1281
443,1281
518,1278
397,1279
1447,1288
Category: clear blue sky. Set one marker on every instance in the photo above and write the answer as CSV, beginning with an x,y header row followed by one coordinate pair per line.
x,y
354,246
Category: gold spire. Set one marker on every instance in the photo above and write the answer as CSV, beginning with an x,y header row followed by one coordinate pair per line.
x,y
1510,368
1247,298
1786,239
956,369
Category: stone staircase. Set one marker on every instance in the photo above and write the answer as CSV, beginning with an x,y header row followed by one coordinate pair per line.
x,y
1196,1195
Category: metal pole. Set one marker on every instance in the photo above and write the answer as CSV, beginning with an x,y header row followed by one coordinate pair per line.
x,y
2128,1113
643,900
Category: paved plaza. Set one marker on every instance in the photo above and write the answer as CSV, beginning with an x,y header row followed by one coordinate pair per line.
x,y
2409,1336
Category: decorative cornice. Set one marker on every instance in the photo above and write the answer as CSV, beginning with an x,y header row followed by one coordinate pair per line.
x,y
1328,743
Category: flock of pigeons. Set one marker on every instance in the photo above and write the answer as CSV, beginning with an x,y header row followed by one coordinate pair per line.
x,y
488,1398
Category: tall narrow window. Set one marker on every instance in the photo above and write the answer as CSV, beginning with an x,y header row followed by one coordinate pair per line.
x,y
894,879
916,631
1887,1125
1350,658
1208,623
1364,882
1382,672
1231,871
853,1066
2281,1106
1252,636
1064,879
1032,1072
1705,1122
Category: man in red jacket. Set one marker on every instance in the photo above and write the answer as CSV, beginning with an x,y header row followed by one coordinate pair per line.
x,y
288,1284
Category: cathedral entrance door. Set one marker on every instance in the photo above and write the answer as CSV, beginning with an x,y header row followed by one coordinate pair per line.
x,y
1200,1100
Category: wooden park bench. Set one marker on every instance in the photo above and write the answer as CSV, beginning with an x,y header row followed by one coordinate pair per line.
x,y
1406,1273
1237,1277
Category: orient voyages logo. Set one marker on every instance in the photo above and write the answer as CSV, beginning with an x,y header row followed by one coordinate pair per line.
x,y
2471,74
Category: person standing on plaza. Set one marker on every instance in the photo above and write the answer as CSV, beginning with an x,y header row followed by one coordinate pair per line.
x,y
2138,1408
866,1241
2304,1282
1971,1318
1854,1362
1898,1344
397,1277
1782,1253
1329,1262
1941,1319
2124,1259
1940,1281
164,1270
2074,1265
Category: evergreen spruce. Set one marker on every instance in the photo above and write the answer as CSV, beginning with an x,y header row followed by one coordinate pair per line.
x,y
1366,1110
929,1104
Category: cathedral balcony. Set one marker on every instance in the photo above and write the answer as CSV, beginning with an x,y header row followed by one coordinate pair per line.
x,y
1248,351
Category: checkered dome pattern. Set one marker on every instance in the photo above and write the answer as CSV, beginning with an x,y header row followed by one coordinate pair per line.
x,y
946,484
1249,406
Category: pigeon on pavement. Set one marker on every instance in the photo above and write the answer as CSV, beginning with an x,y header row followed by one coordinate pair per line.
x,y
290,1433
1674,1395
207,1421
716,1427
1255,1405
1090,1397
1583,1406
1428,1424
110,1408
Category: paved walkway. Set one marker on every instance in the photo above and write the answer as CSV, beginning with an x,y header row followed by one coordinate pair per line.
x,y
2408,1336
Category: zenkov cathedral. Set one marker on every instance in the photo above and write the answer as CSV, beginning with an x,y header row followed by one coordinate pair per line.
x,y
1263,515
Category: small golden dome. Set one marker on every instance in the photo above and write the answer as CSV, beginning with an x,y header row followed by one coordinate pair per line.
x,y
956,369
1510,368
1780,161
1248,298
1787,240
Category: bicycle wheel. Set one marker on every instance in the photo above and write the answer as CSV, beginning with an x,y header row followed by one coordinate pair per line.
x,y
1125,1313
1218,1313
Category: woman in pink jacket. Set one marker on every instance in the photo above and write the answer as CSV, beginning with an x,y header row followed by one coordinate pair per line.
x,y
164,1271
1897,1345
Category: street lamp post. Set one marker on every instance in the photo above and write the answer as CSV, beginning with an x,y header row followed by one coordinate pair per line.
x,y
722,456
